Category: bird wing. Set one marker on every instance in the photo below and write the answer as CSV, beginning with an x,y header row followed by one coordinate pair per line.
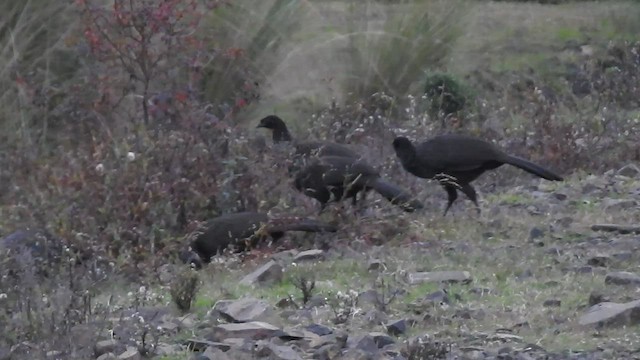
x,y
457,153
324,148
339,170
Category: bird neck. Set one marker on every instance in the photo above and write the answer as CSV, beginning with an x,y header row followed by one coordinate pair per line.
x,y
407,155
281,134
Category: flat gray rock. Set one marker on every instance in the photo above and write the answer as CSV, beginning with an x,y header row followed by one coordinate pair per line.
x,y
269,272
630,170
622,278
439,276
310,255
243,310
255,330
131,354
364,343
276,352
213,353
105,346
199,345
622,229
107,356
618,204
612,314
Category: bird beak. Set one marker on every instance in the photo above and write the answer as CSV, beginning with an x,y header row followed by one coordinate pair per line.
x,y
260,126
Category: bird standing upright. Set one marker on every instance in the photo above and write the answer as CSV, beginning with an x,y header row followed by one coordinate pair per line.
x,y
456,160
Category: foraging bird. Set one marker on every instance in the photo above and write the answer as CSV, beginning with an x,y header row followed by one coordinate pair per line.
x,y
242,231
456,160
328,171
333,178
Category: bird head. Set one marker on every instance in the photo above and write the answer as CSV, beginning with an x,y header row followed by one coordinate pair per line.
x,y
401,142
271,122
404,148
275,124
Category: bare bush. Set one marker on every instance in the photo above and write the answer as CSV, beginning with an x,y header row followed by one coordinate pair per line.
x,y
184,289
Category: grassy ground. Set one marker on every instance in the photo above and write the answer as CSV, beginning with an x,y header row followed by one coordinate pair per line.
x,y
517,274
496,36
517,36
512,275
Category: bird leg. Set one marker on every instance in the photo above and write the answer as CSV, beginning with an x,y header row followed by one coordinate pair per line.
x,y
468,190
445,179
452,196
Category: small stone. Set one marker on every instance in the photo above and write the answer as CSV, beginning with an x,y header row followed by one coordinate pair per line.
x,y
552,303
363,342
276,352
622,278
596,298
503,336
560,196
319,330
590,188
618,204
622,229
535,233
243,310
369,297
439,276
376,265
396,327
584,269
213,353
310,255
600,260
267,273
381,339
623,256
107,356
255,330
630,170
327,352
199,345
612,314
285,257
438,297
105,346
131,354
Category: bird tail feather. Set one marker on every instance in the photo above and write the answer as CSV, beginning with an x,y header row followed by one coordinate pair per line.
x,y
532,168
397,195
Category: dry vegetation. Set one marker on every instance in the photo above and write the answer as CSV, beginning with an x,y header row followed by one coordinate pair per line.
x,y
122,126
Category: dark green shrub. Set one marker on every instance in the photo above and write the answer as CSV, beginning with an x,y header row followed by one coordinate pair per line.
x,y
447,94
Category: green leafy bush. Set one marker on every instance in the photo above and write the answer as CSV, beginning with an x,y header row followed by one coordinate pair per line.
x,y
446,94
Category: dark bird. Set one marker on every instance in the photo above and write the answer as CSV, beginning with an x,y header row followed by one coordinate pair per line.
x,y
280,134
242,231
334,178
457,160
